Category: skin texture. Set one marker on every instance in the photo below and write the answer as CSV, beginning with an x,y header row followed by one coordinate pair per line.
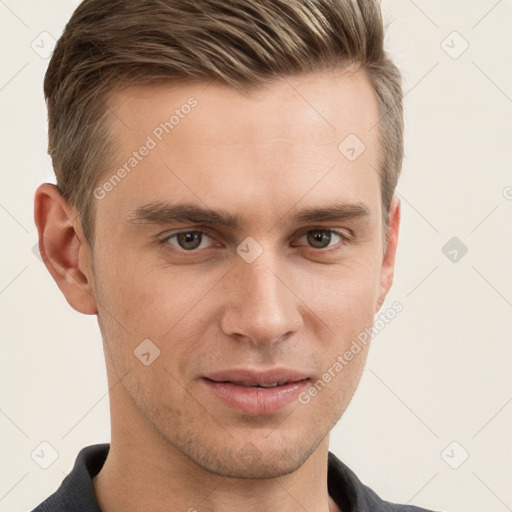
x,y
174,445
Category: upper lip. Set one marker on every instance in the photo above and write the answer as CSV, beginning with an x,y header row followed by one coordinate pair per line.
x,y
255,377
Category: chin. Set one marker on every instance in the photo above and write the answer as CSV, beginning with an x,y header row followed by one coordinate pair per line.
x,y
261,458
251,463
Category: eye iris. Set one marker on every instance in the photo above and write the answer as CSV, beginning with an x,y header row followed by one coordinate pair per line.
x,y
189,239
319,239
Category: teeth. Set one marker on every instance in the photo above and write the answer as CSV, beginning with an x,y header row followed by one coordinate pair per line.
x,y
268,385
265,385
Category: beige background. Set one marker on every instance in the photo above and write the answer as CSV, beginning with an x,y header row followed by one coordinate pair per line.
x,y
438,373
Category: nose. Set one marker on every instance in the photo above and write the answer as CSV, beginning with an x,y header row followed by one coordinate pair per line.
x,y
261,305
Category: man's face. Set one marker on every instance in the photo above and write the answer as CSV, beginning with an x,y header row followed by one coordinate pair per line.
x,y
272,292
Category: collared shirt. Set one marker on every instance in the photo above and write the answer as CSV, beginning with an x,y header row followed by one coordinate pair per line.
x,y
76,492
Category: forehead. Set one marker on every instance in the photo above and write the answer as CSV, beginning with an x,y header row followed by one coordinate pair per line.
x,y
311,134
317,104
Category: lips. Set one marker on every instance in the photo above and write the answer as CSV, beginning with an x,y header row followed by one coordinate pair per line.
x,y
256,392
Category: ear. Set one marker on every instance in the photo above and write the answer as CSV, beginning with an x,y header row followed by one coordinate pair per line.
x,y
65,252
388,263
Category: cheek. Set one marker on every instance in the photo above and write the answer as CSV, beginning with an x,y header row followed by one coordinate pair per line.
x,y
345,303
143,299
164,306
344,295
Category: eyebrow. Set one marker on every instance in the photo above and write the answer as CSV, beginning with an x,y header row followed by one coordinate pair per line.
x,y
161,213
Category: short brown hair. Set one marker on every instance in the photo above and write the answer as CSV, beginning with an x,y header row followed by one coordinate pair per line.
x,y
110,44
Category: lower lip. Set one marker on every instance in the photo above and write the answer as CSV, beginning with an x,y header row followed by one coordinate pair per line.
x,y
256,400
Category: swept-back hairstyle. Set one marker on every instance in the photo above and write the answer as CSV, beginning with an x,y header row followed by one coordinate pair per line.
x,y
111,44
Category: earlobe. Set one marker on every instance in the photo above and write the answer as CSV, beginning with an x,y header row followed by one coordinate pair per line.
x,y
64,251
388,262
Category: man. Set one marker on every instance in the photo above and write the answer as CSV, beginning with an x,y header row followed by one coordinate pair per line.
x,y
226,207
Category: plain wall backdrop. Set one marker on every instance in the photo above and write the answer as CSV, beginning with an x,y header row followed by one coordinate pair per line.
x,y
437,387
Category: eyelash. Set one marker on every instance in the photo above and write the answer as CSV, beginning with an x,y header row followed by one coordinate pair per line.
x,y
345,239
